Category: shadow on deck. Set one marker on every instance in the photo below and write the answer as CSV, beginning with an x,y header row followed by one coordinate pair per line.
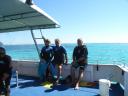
x,y
29,86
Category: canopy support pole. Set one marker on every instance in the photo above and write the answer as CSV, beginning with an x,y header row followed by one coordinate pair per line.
x,y
34,39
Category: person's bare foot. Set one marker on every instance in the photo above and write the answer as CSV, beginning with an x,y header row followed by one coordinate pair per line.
x,y
77,86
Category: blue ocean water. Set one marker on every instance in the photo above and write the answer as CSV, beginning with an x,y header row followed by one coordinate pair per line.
x,y
102,53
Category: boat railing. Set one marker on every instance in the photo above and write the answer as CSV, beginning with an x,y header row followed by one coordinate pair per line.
x,y
96,61
122,63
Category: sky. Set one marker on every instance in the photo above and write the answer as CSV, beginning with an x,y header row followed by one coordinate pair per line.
x,y
95,21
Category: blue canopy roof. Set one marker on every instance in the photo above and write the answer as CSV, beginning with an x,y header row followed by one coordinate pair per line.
x,y
16,15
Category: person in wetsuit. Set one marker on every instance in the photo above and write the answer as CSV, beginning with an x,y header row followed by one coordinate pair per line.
x,y
5,72
80,55
60,57
46,56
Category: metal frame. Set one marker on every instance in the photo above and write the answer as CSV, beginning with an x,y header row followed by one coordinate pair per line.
x,y
14,17
10,18
35,42
28,28
33,37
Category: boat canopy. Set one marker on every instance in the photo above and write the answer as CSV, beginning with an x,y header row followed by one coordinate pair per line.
x,y
16,15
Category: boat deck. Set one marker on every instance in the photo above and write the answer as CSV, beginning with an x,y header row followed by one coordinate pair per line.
x,y
29,86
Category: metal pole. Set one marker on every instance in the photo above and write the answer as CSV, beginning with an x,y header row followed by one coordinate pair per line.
x,y
42,35
17,82
35,43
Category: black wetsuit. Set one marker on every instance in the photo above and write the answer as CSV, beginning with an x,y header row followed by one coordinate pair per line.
x,y
80,51
59,55
5,67
46,53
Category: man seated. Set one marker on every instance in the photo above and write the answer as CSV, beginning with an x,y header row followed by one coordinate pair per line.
x,y
80,55
5,72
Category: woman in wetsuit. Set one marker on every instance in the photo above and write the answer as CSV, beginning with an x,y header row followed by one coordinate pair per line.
x,y
46,55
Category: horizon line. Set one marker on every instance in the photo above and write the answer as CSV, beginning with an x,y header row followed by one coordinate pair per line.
x,y
75,43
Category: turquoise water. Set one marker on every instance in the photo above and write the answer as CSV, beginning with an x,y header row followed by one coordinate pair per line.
x,y
103,53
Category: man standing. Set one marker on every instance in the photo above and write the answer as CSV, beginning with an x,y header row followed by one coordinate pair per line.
x,y
5,72
60,57
80,55
45,66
